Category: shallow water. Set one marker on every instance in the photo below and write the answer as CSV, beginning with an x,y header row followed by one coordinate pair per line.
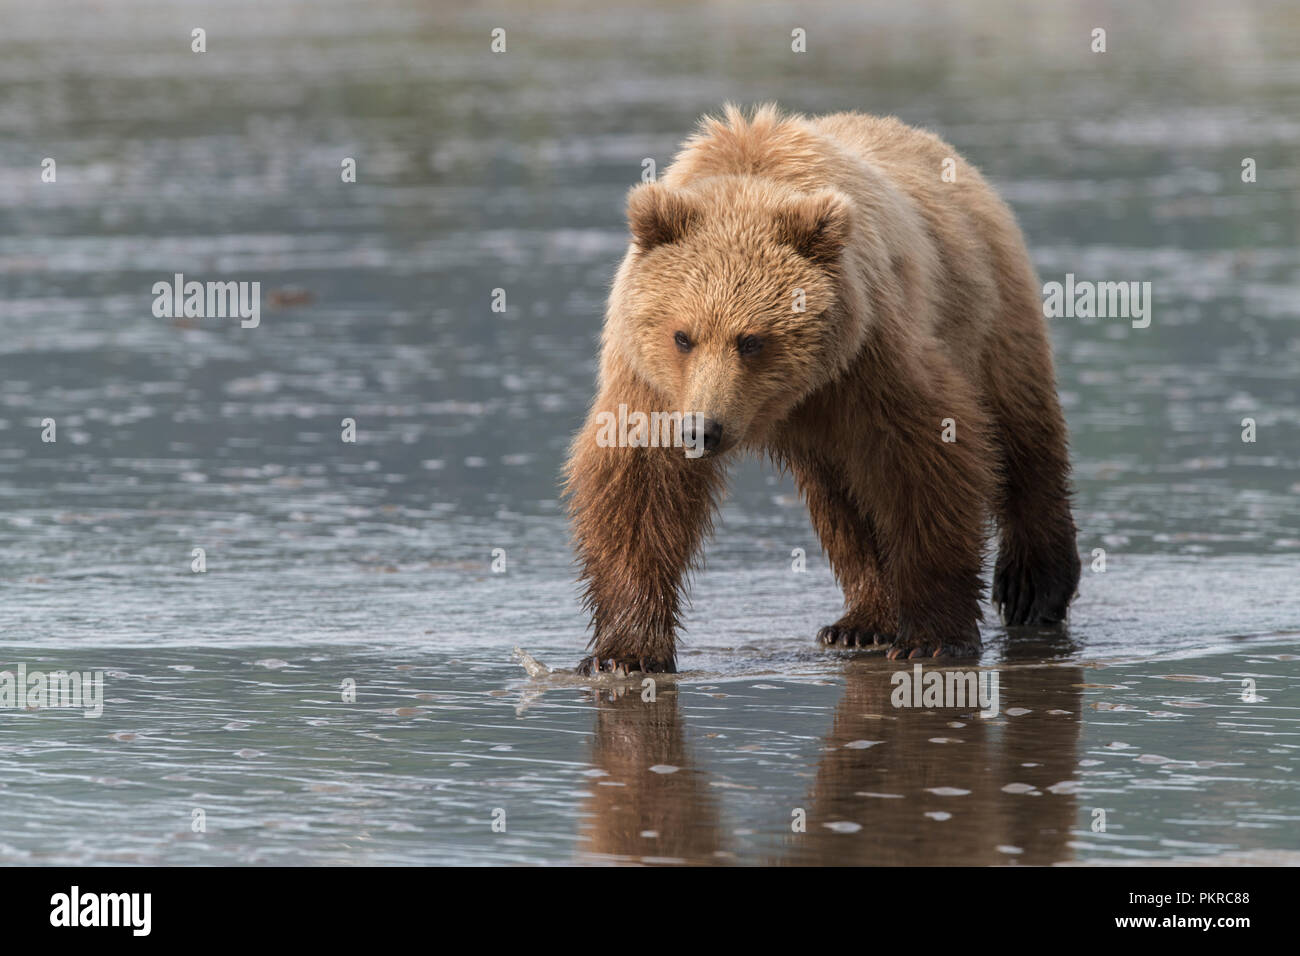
x,y
371,561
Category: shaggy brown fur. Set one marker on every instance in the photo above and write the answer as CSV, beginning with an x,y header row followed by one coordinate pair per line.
x,y
920,304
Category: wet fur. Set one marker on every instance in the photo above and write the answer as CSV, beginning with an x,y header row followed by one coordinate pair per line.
x,y
921,305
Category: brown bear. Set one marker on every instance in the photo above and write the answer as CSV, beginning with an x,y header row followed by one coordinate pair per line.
x,y
848,296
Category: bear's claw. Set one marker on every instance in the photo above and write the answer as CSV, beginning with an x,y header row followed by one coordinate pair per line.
x,y
838,635
622,668
910,649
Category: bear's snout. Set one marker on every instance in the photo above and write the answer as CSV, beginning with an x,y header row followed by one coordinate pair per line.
x,y
708,436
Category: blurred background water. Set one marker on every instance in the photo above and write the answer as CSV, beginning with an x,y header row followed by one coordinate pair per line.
x,y
329,561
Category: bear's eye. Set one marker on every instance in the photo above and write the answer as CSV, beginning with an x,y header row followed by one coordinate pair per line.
x,y
748,344
683,341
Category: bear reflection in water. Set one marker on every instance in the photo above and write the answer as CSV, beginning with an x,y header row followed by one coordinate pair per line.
x,y
893,786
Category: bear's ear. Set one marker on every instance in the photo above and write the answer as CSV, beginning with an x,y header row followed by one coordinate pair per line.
x,y
816,226
658,215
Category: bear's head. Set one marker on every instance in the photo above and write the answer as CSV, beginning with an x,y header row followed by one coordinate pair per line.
x,y
728,302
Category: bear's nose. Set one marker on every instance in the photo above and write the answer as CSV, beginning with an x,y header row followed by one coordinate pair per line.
x,y
711,437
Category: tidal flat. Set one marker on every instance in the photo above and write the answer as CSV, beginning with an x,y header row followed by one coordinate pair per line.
x,y
337,685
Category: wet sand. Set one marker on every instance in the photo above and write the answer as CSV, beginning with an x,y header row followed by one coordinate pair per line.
x,y
372,562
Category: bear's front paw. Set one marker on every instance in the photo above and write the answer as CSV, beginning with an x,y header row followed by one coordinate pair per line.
x,y
622,667
841,635
907,648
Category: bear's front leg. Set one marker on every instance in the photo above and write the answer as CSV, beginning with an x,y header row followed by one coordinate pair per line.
x,y
849,540
639,515
929,481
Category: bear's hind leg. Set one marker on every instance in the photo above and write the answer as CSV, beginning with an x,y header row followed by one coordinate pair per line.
x,y
847,535
1037,571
